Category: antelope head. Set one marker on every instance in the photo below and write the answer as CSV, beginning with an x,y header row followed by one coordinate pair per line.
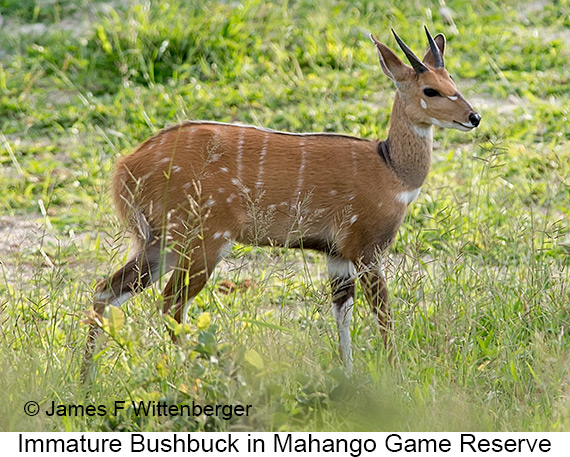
x,y
429,94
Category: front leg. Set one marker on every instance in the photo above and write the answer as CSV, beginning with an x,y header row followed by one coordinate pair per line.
x,y
373,282
341,274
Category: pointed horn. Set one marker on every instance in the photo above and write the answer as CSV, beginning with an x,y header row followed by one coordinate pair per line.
x,y
437,57
414,61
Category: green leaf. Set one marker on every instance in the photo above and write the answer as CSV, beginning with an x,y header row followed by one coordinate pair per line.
x,y
116,319
253,358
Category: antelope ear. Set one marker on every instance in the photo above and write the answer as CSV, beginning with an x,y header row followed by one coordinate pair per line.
x,y
390,63
440,42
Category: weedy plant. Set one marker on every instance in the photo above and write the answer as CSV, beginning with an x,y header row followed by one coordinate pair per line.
x,y
479,269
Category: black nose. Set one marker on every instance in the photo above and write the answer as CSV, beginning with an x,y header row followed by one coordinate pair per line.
x,y
475,118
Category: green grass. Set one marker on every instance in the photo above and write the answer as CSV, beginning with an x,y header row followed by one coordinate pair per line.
x,y
479,274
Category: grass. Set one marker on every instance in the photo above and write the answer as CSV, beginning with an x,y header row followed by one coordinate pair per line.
x,y
478,275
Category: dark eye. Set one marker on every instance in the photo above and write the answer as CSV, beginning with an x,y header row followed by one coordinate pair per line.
x,y
428,92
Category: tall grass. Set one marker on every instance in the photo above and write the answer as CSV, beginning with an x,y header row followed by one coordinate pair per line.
x,y
478,275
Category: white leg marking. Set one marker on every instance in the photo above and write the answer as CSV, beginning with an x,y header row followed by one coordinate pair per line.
x,y
340,268
116,301
343,315
102,296
185,309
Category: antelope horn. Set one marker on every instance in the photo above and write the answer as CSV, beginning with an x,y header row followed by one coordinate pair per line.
x,y
437,57
416,63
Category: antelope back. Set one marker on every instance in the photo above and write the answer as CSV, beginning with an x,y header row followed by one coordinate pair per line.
x,y
261,186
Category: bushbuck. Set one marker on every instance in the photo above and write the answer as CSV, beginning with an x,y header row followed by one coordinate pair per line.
x,y
191,190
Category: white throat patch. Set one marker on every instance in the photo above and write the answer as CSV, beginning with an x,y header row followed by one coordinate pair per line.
x,y
424,132
408,196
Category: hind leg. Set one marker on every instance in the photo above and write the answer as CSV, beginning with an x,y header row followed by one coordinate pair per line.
x,y
190,276
138,273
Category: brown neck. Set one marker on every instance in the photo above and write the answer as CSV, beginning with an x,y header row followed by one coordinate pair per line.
x,y
410,147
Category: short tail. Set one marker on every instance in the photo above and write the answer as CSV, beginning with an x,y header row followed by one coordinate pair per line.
x,y
126,196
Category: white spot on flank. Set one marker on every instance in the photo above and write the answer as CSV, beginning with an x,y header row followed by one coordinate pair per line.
x,y
163,139
176,169
186,186
220,189
423,103
224,170
351,197
227,234
235,181
408,196
210,202
272,206
353,219
165,160
333,192
230,198
217,235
